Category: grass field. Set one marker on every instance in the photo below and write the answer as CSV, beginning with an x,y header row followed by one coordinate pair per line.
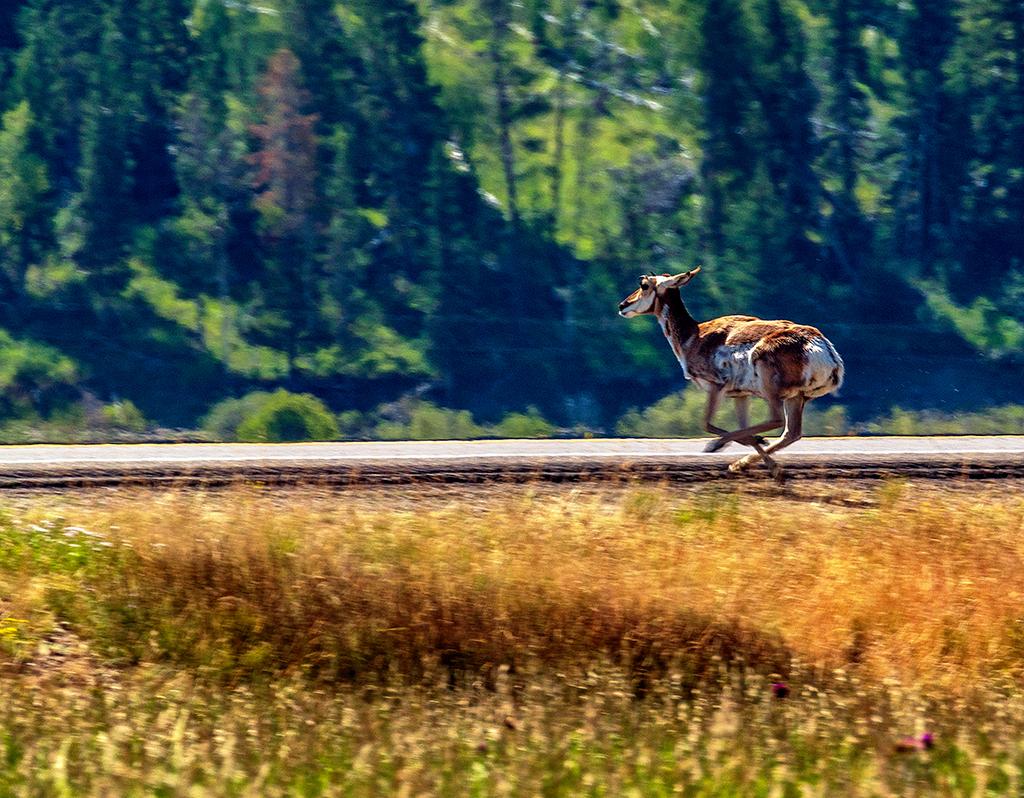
x,y
514,642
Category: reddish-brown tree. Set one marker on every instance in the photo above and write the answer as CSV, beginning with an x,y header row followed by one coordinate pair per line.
x,y
285,178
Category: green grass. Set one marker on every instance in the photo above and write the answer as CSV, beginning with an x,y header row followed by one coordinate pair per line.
x,y
160,733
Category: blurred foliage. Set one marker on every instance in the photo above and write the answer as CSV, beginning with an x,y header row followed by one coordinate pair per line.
x,y
1005,420
225,417
678,415
415,419
423,421
28,365
289,417
530,424
277,417
123,415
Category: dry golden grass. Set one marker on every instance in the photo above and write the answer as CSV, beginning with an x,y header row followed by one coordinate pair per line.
x,y
918,584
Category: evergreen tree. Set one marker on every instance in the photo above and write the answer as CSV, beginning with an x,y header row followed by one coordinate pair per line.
x,y
215,199
329,65
23,184
396,152
104,207
729,153
989,78
55,72
10,42
936,138
788,99
846,113
160,53
285,182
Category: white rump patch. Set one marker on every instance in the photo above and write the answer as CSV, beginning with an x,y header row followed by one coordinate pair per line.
x,y
824,370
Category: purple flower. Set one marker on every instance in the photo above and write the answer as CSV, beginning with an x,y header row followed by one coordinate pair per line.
x,y
780,689
907,745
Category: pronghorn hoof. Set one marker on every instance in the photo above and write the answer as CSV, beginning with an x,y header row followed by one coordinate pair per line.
x,y
761,441
715,446
778,474
742,463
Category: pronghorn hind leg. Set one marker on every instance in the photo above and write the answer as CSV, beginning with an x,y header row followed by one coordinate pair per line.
x,y
760,454
793,409
743,422
748,436
745,436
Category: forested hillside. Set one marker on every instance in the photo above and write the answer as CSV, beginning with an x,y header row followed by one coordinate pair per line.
x,y
375,199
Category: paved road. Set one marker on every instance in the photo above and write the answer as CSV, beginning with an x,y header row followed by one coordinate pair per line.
x,y
687,449
478,461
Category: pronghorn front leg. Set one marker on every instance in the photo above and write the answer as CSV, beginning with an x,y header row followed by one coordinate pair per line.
x,y
741,435
743,421
748,435
714,396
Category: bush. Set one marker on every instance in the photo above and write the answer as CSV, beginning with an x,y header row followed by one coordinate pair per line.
x,y
286,416
123,415
352,424
224,418
833,421
425,421
530,424
271,417
1004,420
35,379
678,415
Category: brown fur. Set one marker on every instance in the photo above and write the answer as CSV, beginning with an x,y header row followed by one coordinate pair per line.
x,y
779,344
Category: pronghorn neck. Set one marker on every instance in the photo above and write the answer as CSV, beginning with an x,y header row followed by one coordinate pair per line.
x,y
677,324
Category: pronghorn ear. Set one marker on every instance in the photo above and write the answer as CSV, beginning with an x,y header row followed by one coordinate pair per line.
x,y
679,280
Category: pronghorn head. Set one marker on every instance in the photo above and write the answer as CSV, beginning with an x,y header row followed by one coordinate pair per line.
x,y
652,290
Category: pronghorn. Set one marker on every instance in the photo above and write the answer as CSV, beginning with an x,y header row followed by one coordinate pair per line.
x,y
784,363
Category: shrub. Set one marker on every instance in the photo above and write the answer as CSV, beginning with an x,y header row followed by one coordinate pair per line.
x,y
425,421
1004,420
272,417
224,418
530,424
352,424
34,378
833,421
678,415
123,415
